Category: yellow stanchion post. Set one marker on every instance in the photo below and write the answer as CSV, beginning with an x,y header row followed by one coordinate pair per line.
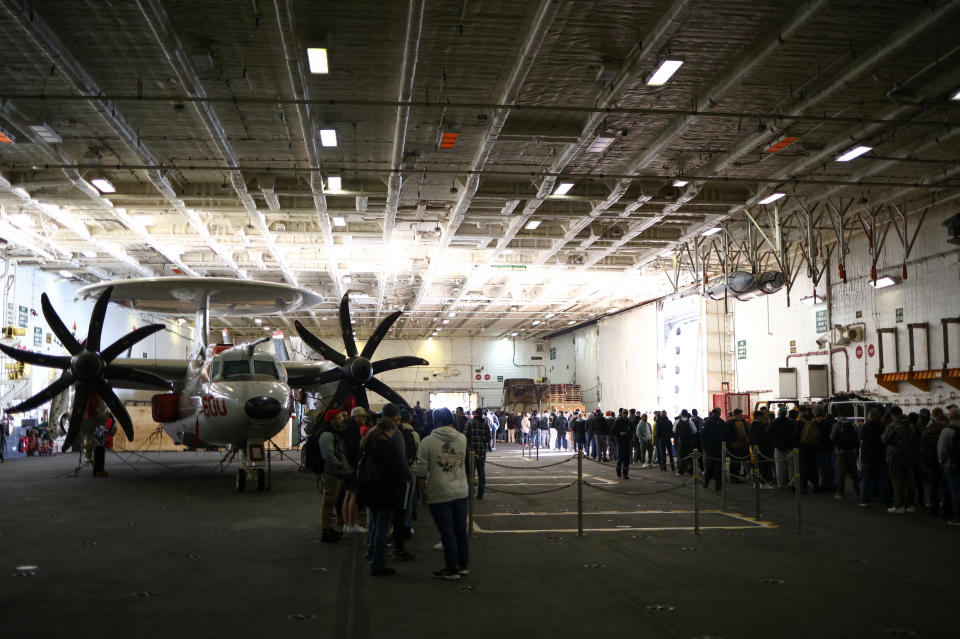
x,y
471,465
724,479
796,486
754,462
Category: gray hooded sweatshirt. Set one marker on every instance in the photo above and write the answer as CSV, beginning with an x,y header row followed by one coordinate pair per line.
x,y
440,461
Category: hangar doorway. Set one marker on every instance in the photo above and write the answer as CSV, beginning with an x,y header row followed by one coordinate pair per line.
x,y
451,400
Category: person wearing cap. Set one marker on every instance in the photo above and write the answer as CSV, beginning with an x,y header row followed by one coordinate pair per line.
x,y
382,484
354,428
335,467
442,484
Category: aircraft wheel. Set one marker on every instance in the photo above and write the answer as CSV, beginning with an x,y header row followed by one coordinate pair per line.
x,y
261,480
241,480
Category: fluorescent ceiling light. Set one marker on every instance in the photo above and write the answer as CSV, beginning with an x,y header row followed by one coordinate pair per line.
x,y
600,144
507,251
258,321
46,133
88,253
513,334
317,58
772,198
66,274
956,96
679,183
532,224
664,72
103,185
712,231
613,310
328,137
266,328
22,220
334,183
855,152
146,220
452,314
347,279
535,322
883,282
571,322
548,315
446,321
812,299
438,329
339,220
181,320
563,189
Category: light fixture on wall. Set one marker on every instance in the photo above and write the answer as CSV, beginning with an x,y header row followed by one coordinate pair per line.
x,y
883,282
812,299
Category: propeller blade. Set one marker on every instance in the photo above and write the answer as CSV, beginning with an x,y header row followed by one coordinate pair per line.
x,y
392,363
377,337
346,328
325,377
95,330
37,359
319,346
116,407
360,394
117,371
386,392
56,325
113,351
61,384
76,415
342,389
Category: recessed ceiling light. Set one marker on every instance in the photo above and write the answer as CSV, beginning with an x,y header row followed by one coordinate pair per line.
x,y
563,188
772,198
334,183
600,144
664,72
679,183
855,152
317,58
535,322
532,224
66,274
712,231
339,220
882,282
88,253
328,137
103,185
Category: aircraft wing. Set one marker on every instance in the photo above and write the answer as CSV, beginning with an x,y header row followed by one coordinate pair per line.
x,y
172,370
303,369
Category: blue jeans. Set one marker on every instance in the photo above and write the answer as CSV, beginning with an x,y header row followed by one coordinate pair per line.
x,y
561,441
411,510
663,451
875,479
827,461
451,520
591,445
379,524
481,472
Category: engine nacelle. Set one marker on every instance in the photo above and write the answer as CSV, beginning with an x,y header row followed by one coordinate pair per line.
x,y
166,407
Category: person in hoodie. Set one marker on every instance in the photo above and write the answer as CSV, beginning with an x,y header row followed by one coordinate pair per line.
x,y
442,484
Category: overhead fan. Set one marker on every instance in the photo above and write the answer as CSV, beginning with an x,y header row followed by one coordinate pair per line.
x,y
87,366
355,371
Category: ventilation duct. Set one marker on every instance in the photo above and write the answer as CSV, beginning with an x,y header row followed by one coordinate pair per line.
x,y
744,285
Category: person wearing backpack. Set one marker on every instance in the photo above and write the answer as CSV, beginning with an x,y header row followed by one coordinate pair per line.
x,y
948,454
938,491
843,435
381,484
897,437
738,448
685,435
403,517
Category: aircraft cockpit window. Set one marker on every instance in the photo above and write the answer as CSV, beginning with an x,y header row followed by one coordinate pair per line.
x,y
265,367
235,368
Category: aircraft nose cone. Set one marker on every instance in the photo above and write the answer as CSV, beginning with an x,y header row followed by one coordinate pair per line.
x,y
262,407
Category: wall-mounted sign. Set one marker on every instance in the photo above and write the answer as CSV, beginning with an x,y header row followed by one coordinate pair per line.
x,y
486,377
22,317
742,349
499,378
37,336
49,338
9,313
871,350
822,326
859,352
793,347
477,377
537,358
899,316
859,314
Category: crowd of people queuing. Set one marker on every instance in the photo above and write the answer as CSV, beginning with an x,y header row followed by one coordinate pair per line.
x,y
390,462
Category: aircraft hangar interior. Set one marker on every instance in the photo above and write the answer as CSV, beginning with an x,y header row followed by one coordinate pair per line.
x,y
690,269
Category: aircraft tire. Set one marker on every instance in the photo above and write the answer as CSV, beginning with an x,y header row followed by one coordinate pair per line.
x,y
241,480
261,480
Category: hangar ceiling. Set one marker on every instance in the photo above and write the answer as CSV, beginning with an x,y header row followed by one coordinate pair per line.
x,y
457,126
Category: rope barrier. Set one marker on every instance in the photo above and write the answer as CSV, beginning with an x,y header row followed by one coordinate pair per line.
x,y
490,488
571,458
639,494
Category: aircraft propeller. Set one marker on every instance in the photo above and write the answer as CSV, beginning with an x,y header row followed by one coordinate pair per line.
x,y
88,367
355,371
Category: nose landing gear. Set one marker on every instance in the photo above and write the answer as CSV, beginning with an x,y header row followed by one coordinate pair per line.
x,y
253,471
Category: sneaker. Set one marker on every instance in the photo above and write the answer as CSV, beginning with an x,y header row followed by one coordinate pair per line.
x,y
838,496
862,505
446,574
910,509
953,522
382,572
402,555
893,510
463,572
438,545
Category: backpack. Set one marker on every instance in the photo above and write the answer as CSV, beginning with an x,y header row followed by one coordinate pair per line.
x,y
367,471
953,455
409,446
685,432
847,438
810,435
312,459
